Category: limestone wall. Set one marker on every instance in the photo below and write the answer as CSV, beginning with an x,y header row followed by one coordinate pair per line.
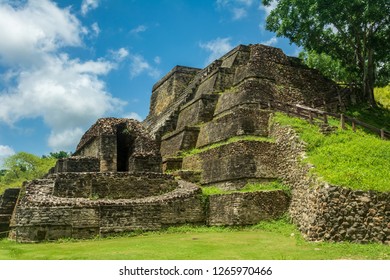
x,y
197,111
179,140
248,120
170,87
41,216
231,165
7,203
77,164
103,147
324,212
112,185
246,208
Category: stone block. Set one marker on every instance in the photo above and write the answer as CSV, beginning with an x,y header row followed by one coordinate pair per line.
x,y
147,163
250,92
246,208
197,111
171,164
170,87
113,186
77,164
237,160
180,140
245,120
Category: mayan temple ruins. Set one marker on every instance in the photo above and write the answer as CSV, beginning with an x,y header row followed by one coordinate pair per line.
x,y
206,127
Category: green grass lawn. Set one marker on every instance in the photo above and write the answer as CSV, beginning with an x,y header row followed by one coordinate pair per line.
x,y
277,240
356,160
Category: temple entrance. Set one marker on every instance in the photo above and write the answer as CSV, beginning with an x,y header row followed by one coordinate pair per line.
x,y
125,146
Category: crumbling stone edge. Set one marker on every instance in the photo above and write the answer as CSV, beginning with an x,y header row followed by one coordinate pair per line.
x,y
324,212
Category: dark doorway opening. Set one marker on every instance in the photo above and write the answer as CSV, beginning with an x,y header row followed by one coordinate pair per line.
x,y
124,142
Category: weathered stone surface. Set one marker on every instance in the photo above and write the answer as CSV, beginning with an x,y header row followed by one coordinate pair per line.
x,y
7,204
237,160
120,145
248,120
197,111
198,108
180,140
246,208
77,164
171,164
325,212
42,216
170,87
247,74
111,185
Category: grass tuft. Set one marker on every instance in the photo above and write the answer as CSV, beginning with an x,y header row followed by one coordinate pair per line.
x,y
356,160
250,187
222,143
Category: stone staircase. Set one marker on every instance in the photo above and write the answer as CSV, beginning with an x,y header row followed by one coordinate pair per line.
x,y
7,205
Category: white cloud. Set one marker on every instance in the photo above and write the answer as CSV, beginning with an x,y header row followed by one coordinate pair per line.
x,y
139,29
139,65
120,54
40,81
88,5
246,2
262,27
238,8
133,115
36,28
268,9
271,42
95,28
65,139
217,48
65,93
157,60
239,13
5,151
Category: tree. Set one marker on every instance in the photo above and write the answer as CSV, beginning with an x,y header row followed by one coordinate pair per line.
x,y
355,32
60,154
22,167
328,66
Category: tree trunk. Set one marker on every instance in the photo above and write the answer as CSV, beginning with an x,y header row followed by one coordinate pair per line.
x,y
369,79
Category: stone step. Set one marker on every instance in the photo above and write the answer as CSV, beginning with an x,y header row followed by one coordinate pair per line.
x,y
234,163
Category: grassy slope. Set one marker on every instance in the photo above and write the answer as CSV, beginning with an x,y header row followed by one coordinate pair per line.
x,y
250,187
268,240
350,159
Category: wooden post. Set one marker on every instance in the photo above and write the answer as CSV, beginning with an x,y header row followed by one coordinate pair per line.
x,y
310,117
298,111
342,121
353,126
383,134
269,105
325,118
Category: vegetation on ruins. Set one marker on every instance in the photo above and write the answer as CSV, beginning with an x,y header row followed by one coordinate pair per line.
x,y
266,240
195,151
334,70
382,96
329,67
22,167
352,32
250,187
355,160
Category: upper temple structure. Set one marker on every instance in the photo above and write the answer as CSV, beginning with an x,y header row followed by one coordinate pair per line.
x,y
206,127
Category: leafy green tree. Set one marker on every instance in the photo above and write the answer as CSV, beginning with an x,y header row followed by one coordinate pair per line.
x,y
329,67
355,32
60,154
22,167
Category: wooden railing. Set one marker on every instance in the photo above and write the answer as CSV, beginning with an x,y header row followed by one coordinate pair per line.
x,y
312,114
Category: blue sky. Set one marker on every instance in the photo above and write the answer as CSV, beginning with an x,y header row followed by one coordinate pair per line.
x,y
64,64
